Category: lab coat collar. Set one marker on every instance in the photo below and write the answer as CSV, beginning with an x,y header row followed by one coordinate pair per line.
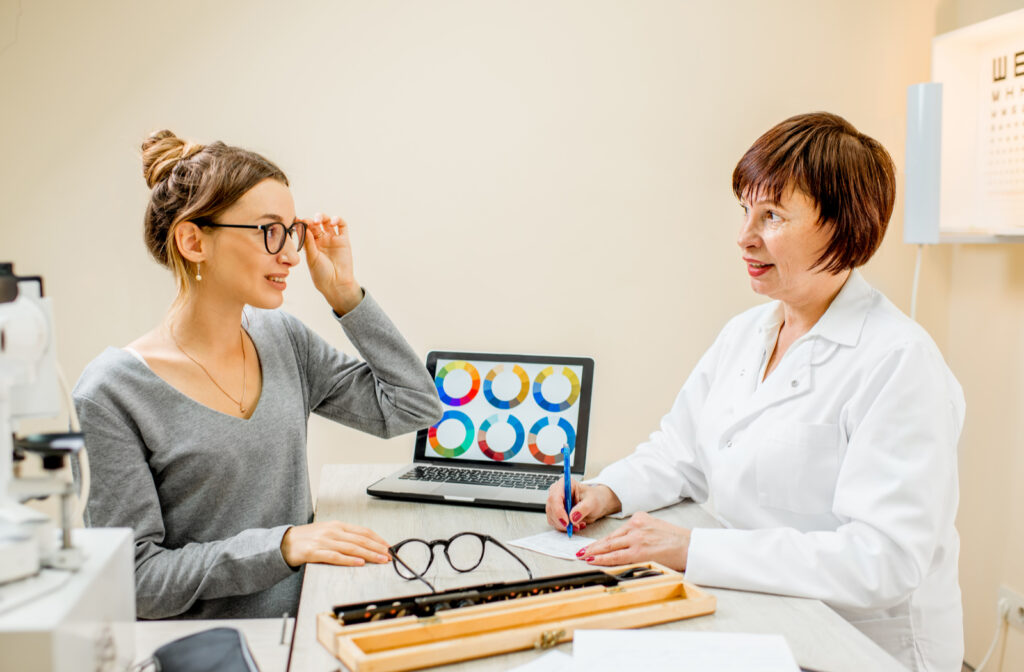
x,y
842,322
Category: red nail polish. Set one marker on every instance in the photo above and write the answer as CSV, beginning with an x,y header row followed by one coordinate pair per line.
x,y
576,516
579,553
590,559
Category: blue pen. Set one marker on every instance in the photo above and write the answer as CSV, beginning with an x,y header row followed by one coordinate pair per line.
x,y
568,486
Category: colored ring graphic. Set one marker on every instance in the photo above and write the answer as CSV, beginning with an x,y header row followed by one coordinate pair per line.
x,y
574,393
540,456
435,443
481,438
524,389
473,388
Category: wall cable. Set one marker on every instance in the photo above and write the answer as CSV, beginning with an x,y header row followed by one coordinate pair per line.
x,y
917,278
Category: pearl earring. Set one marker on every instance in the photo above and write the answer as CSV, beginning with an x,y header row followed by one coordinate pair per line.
x,y
199,273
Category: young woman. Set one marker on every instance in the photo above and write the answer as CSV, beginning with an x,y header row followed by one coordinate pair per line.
x,y
197,429
821,427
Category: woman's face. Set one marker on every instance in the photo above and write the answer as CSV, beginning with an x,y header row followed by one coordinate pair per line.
x,y
238,265
780,243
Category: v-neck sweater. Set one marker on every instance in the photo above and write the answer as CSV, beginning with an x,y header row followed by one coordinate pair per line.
x,y
208,495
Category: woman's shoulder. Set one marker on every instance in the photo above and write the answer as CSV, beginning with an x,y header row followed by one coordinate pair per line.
x,y
114,374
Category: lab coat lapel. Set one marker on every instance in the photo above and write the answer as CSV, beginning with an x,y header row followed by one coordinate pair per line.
x,y
792,378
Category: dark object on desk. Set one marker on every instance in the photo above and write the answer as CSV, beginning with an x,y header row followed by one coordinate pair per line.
x,y
215,650
428,604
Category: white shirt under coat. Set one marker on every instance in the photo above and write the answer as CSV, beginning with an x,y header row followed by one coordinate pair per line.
x,y
836,477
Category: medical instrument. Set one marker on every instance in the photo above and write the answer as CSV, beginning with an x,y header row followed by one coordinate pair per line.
x,y
475,621
67,605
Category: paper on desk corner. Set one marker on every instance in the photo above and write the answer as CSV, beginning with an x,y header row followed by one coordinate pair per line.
x,y
664,651
557,544
552,661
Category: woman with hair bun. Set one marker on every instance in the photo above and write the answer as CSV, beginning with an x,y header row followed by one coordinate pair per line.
x,y
197,429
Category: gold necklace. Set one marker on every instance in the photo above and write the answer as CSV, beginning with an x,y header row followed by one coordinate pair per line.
x,y
241,342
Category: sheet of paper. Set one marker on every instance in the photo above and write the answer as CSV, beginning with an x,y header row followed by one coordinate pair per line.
x,y
552,661
554,543
658,651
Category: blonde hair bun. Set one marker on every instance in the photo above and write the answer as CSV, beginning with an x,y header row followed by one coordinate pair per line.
x,y
161,152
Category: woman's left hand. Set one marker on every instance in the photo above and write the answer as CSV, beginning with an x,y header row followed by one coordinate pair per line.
x,y
642,538
329,255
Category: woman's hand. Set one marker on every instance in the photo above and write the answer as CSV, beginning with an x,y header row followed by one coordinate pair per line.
x,y
590,502
333,542
329,255
642,538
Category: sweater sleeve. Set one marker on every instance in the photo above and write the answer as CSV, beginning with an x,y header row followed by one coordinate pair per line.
x,y
389,393
168,581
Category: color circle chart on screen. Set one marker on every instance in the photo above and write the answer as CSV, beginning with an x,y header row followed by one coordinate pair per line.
x,y
457,383
524,405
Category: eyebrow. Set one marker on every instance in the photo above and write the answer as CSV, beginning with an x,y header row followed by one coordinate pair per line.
x,y
771,204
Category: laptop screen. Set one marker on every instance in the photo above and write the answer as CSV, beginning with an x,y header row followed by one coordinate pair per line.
x,y
509,410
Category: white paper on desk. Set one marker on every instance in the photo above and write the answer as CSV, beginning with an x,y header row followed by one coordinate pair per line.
x,y
658,651
552,661
554,543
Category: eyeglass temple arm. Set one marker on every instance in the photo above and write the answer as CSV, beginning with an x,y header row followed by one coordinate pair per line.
x,y
509,551
411,570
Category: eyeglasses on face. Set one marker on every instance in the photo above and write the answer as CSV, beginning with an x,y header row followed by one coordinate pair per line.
x,y
464,552
274,234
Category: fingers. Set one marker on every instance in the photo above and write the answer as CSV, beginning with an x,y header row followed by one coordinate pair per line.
x,y
321,225
613,542
328,557
555,506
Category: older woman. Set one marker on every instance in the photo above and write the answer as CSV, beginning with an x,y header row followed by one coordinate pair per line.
x,y
820,428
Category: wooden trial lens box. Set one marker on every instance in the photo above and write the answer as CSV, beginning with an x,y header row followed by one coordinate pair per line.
x,y
537,621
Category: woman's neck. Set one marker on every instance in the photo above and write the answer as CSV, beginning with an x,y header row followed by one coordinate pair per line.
x,y
207,325
800,316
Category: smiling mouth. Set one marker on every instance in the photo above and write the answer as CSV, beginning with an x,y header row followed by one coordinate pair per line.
x,y
279,279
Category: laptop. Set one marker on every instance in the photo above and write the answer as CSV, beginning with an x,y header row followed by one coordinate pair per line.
x,y
499,442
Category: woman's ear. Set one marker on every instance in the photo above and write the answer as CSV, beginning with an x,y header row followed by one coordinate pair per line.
x,y
191,242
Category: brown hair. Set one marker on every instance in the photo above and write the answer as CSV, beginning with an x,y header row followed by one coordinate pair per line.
x,y
191,182
849,176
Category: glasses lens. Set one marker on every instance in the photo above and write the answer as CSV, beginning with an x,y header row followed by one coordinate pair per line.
x,y
416,555
299,229
465,551
274,237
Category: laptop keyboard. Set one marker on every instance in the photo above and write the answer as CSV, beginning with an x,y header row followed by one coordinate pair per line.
x,y
504,479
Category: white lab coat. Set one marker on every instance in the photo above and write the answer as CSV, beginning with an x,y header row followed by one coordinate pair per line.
x,y
836,477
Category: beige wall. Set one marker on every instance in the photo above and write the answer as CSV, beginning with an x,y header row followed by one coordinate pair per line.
x,y
986,333
533,176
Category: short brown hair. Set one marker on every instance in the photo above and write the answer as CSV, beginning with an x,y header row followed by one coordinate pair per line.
x,y
192,181
849,176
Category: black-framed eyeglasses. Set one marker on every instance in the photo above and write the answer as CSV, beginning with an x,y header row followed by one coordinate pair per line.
x,y
464,551
274,234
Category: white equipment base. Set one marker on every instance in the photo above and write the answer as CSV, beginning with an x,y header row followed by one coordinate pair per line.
x,y
85,622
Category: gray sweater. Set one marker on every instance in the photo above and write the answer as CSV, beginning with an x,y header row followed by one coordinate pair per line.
x,y
209,495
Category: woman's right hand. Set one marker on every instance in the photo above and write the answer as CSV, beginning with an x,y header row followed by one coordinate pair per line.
x,y
590,503
333,542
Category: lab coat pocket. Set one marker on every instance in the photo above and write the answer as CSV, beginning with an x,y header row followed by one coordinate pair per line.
x,y
797,466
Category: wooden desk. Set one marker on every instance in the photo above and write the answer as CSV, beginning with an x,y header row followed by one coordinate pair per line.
x,y
820,638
